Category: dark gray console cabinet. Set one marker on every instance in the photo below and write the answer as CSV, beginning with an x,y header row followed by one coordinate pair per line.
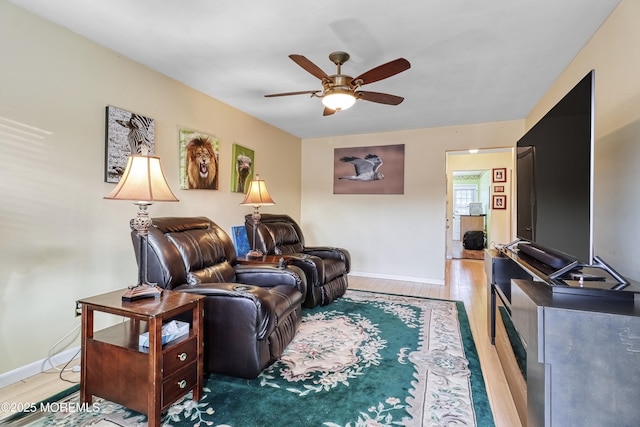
x,y
500,270
582,352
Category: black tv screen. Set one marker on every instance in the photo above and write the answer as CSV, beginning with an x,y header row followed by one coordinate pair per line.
x,y
554,176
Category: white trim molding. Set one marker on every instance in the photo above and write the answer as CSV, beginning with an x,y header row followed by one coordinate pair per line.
x,y
399,278
39,366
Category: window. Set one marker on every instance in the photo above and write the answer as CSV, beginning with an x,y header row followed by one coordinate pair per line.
x,y
462,196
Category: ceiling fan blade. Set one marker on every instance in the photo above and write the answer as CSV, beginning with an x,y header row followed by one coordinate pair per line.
x,y
309,66
383,71
328,111
380,98
302,92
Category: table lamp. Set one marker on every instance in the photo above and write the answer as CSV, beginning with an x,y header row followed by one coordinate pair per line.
x,y
143,182
257,195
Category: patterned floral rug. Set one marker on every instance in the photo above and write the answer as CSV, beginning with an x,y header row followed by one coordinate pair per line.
x,y
368,359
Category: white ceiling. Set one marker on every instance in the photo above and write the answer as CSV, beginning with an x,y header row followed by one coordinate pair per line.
x,y
471,61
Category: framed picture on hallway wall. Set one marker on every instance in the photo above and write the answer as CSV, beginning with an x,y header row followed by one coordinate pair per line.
x,y
499,174
369,170
499,202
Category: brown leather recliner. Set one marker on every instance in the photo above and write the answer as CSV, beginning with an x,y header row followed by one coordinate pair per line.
x,y
325,267
251,313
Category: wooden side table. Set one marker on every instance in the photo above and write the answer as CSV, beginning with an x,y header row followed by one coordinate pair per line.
x,y
145,379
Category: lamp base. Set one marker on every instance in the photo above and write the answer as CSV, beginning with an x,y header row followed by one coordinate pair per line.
x,y
142,291
255,254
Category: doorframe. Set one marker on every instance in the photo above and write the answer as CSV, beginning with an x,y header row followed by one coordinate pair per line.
x,y
478,160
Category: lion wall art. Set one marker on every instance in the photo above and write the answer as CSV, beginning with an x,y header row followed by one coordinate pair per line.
x,y
199,154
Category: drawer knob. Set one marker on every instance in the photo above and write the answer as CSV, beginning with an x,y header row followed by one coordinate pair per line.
x,y
182,356
182,383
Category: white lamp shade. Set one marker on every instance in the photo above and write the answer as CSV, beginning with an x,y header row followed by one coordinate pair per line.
x,y
257,194
143,181
338,99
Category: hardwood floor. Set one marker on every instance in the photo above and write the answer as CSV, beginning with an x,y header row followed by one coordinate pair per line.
x,y
458,251
37,388
465,281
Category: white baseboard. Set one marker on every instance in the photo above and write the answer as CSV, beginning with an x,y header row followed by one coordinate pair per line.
x,y
400,278
39,366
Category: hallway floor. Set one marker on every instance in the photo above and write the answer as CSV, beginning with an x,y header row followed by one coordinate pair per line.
x,y
459,252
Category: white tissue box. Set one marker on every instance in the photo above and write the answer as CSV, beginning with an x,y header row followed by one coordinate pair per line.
x,y
170,331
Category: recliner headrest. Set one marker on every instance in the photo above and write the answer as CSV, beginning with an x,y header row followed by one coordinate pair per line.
x,y
180,224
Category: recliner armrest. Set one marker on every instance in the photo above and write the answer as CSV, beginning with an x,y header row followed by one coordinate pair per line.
x,y
330,252
311,265
238,290
269,276
235,296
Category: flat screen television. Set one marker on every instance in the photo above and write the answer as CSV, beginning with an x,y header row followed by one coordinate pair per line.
x,y
554,177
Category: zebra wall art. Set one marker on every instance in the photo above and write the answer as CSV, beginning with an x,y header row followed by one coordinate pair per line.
x,y
126,133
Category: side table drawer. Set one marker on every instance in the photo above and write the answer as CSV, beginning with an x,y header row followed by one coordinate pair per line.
x,y
180,356
178,384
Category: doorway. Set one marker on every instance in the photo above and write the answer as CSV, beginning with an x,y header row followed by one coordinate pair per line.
x,y
470,186
470,204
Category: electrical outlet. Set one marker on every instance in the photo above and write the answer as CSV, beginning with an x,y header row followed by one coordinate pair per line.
x,y
78,309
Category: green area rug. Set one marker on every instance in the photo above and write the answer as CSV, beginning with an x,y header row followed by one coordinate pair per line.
x,y
368,359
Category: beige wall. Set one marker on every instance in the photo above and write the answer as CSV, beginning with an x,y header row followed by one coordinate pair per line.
x,y
395,236
404,236
613,54
60,240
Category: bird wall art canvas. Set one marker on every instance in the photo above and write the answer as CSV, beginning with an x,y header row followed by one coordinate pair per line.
x,y
242,168
369,170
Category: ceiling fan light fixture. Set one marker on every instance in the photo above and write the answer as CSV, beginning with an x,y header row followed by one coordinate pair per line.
x,y
340,91
338,99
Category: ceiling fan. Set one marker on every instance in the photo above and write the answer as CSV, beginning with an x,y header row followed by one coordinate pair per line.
x,y
340,91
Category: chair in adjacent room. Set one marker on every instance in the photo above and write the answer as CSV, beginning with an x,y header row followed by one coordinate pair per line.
x,y
325,267
251,312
